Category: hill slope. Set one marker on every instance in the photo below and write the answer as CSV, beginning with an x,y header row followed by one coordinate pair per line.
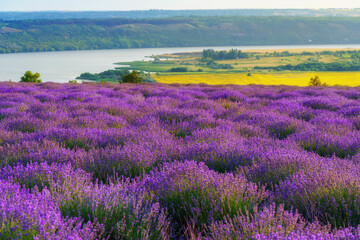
x,y
80,34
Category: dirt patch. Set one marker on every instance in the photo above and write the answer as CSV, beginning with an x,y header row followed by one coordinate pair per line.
x,y
9,30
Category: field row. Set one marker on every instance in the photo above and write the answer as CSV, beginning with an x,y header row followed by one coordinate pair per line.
x,y
156,161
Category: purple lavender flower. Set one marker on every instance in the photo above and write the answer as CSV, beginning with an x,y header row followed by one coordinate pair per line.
x,y
35,215
156,161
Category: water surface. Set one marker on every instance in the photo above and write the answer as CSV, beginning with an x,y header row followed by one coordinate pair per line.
x,y
67,65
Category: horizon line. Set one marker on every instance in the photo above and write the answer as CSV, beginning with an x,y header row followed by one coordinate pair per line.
x,y
144,10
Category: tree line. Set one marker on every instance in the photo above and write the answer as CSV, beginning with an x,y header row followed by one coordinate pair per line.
x,y
87,34
223,55
115,75
318,66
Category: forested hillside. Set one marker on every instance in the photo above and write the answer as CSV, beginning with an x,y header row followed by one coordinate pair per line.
x,y
80,34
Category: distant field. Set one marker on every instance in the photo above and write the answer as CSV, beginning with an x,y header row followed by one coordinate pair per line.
x,y
262,67
299,50
290,50
238,75
294,78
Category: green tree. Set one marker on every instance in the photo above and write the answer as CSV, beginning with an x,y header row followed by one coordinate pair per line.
x,y
315,81
30,77
133,77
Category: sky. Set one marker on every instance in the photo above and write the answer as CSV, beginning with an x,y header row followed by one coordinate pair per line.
x,y
100,5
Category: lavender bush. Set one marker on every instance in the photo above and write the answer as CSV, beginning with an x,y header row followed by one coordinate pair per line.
x,y
152,161
26,215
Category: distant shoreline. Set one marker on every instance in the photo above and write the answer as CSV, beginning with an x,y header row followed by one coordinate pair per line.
x,y
249,48
52,65
269,50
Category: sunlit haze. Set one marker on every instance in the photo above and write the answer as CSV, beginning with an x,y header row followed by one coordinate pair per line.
x,y
78,5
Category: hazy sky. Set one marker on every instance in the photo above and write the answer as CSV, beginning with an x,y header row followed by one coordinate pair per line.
x,y
39,5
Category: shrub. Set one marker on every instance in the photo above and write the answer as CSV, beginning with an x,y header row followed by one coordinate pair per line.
x,y
327,144
124,210
178,69
330,194
26,215
42,175
133,77
315,81
31,78
194,194
271,220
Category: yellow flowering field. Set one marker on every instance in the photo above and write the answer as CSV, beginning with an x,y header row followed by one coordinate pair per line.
x,y
293,78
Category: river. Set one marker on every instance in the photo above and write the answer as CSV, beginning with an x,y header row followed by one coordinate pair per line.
x,y
64,66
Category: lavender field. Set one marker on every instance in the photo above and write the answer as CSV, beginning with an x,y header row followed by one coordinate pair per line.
x,y
151,161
